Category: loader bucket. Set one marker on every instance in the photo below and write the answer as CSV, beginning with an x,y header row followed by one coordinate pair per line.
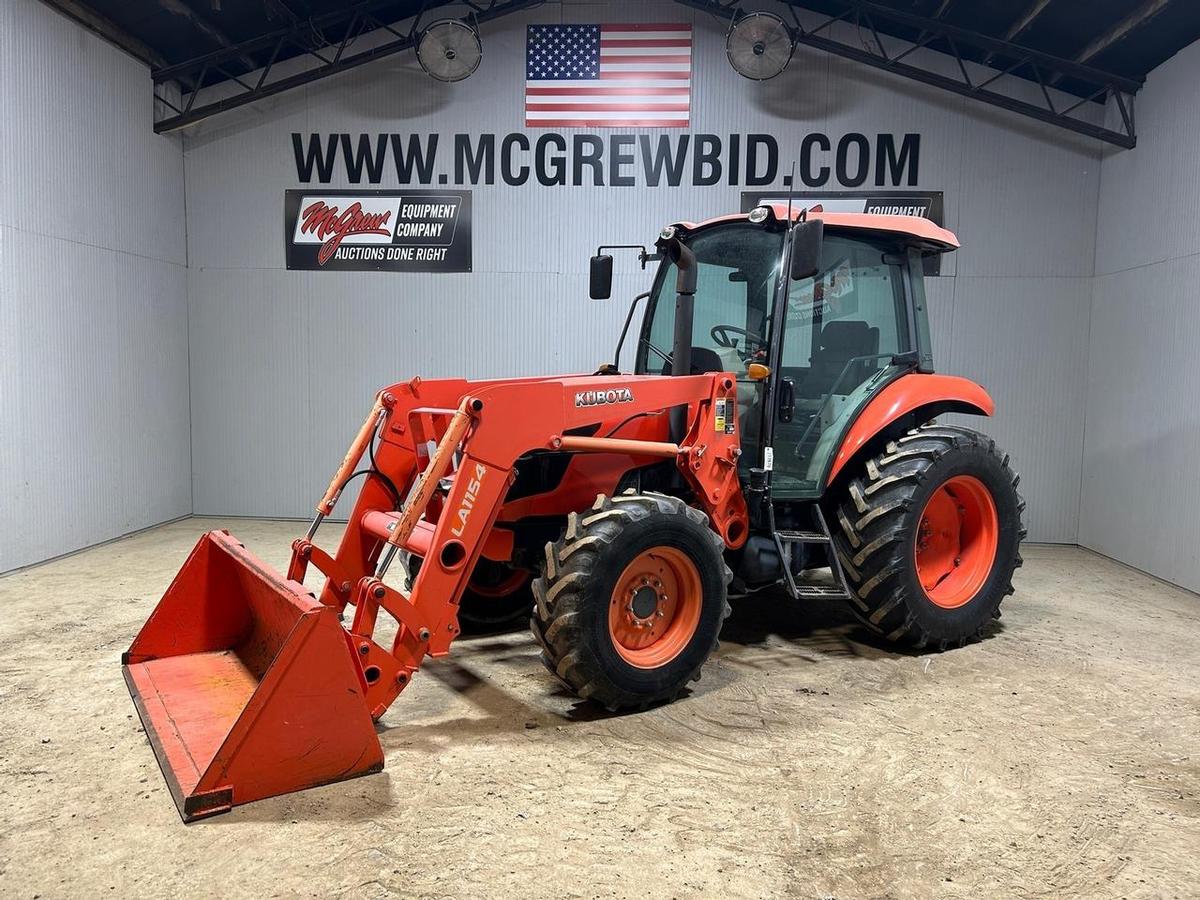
x,y
246,685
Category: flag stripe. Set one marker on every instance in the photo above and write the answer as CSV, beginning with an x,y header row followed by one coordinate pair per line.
x,y
616,34
612,107
648,26
613,91
647,75
609,114
641,43
654,80
608,123
600,102
675,54
654,62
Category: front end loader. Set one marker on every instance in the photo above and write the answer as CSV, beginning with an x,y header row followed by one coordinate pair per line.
x,y
777,429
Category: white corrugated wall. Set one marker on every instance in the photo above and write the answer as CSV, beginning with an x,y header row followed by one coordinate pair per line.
x,y
94,421
284,364
1141,485
94,342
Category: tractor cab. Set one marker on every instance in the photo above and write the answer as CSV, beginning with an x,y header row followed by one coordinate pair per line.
x,y
810,340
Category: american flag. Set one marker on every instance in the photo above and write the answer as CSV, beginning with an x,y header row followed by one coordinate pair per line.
x,y
631,76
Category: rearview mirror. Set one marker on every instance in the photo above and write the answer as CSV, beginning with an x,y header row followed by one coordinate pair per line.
x,y
806,249
600,278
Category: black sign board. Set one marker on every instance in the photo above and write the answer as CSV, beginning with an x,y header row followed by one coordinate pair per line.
x,y
926,204
387,231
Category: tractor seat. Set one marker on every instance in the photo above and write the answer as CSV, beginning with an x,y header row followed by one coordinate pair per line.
x,y
724,359
840,343
704,360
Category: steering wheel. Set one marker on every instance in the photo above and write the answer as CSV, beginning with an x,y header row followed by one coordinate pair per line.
x,y
722,335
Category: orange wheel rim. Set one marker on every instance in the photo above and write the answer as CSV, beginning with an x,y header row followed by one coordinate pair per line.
x,y
956,541
655,607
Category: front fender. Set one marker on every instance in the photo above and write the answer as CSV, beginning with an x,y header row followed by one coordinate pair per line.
x,y
905,395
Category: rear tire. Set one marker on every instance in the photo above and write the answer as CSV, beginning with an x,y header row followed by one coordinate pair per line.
x,y
498,598
929,536
632,601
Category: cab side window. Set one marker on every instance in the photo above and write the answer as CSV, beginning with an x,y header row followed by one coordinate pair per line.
x,y
841,329
842,324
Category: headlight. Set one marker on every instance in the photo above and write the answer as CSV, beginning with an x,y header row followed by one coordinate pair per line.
x,y
760,214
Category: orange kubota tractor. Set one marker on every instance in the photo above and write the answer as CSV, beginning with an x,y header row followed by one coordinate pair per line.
x,y
778,420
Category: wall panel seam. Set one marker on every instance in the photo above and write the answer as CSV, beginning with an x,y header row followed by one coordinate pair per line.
x,y
66,240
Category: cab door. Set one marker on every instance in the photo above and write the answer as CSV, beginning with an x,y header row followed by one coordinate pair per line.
x,y
841,330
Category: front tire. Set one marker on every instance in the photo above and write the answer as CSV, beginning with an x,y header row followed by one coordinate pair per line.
x,y
632,601
929,536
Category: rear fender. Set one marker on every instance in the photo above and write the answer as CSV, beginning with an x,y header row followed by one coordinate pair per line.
x,y
909,401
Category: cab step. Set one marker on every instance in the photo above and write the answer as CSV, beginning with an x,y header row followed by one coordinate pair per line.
x,y
803,537
783,542
820,592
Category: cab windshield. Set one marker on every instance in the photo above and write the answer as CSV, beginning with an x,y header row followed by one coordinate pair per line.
x,y
736,268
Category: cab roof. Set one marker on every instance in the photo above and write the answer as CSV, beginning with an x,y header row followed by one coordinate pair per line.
x,y
931,236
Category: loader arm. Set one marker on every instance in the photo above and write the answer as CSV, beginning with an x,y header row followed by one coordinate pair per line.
x,y
481,429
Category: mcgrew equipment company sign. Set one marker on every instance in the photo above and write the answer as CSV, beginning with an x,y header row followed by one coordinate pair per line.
x,y
394,231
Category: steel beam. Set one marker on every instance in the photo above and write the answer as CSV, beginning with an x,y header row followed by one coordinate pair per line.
x,y
1136,19
1023,21
355,19
105,28
942,9
203,26
1121,30
875,18
351,22
291,33
1047,61
1017,28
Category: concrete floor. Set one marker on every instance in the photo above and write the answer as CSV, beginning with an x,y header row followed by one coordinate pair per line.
x,y
1060,757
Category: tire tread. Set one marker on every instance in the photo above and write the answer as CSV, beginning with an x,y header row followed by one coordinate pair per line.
x,y
571,562
870,538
